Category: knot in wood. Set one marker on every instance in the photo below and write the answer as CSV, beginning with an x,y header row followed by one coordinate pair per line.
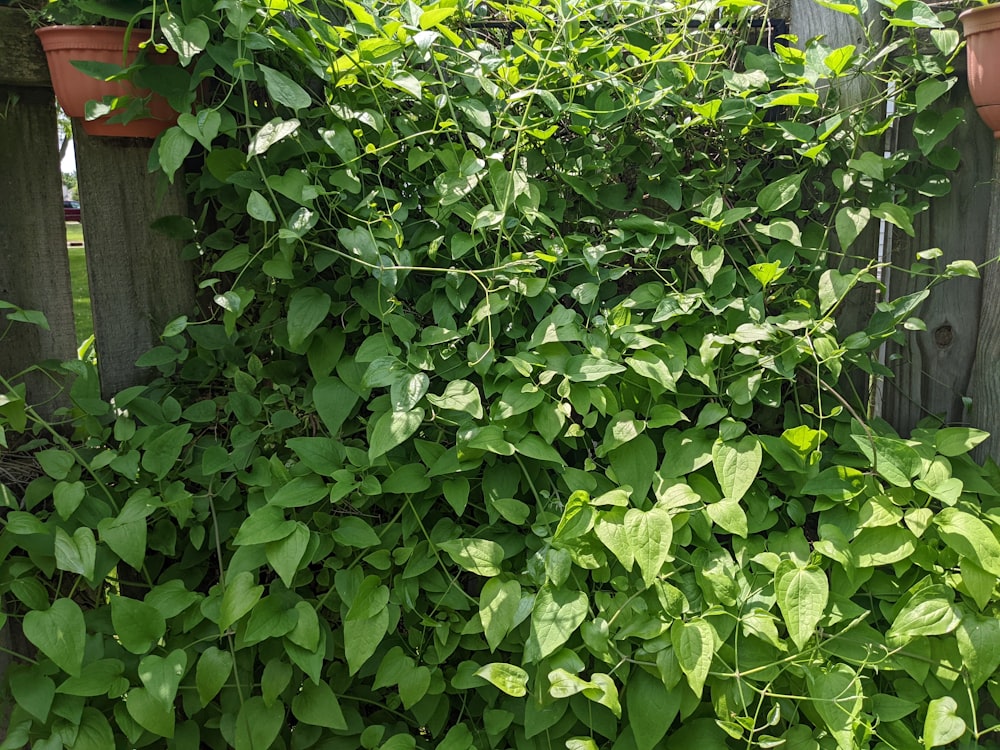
x,y
943,336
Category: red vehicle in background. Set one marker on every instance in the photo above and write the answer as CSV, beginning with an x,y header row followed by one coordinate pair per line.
x,y
71,210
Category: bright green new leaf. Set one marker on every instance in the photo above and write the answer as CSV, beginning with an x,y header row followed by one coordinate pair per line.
x,y
649,534
837,697
285,555
802,597
459,395
930,611
555,616
956,441
479,556
611,530
509,678
729,516
498,605
942,725
604,691
736,465
694,645
433,16
979,644
970,537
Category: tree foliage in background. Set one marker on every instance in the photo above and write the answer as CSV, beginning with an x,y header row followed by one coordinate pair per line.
x,y
521,417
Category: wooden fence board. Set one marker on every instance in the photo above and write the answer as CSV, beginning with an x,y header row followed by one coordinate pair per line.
x,y
34,264
808,20
985,386
23,59
138,281
934,367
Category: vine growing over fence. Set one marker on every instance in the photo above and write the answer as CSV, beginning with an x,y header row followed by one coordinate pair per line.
x,y
520,417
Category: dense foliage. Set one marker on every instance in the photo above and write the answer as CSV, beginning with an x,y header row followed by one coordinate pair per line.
x,y
521,417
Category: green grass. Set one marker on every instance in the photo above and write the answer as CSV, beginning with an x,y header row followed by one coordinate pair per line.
x,y
82,312
74,231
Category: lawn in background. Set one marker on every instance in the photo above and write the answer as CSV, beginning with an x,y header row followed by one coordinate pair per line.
x,y
74,232
82,313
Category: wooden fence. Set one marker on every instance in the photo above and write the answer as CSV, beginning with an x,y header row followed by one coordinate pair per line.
x,y
138,281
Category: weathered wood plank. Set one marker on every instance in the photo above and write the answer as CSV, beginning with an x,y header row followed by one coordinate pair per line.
x,y
985,386
934,368
23,62
809,20
138,281
34,264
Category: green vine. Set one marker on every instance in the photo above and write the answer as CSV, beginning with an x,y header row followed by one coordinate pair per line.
x,y
523,415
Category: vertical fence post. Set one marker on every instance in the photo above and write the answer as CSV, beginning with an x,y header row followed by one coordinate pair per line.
x,y
985,387
138,281
933,368
810,19
34,264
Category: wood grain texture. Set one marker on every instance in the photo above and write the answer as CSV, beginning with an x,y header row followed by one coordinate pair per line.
x,y
934,368
810,20
985,386
22,62
34,264
138,282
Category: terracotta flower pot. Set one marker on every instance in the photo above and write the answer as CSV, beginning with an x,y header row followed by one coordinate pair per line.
x,y
75,88
982,36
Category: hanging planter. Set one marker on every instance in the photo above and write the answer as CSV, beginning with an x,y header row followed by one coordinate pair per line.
x,y
982,36
74,88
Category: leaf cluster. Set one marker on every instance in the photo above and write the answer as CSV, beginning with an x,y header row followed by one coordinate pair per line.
x,y
522,415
